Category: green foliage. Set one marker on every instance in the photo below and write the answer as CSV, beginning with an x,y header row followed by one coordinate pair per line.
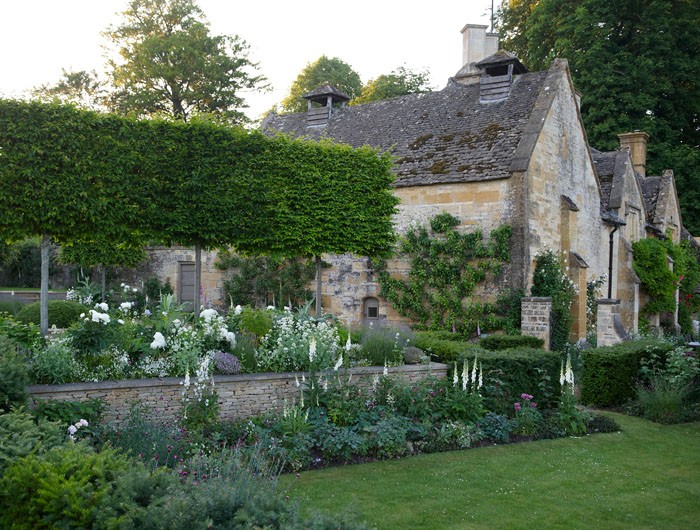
x,y
21,262
612,48
94,252
62,313
662,401
611,372
22,434
167,43
154,289
25,335
384,345
444,350
505,342
446,268
264,280
256,321
651,265
62,488
14,376
56,364
322,71
11,307
68,412
400,82
550,280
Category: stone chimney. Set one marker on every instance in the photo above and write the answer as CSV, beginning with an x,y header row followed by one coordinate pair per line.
x,y
636,143
477,45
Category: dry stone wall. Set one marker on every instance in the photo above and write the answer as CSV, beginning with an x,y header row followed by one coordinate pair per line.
x,y
239,396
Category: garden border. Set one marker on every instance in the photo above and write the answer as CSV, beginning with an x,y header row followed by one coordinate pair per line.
x,y
239,396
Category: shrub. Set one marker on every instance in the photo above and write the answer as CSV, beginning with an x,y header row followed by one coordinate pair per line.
x,y
11,307
14,376
383,345
24,335
663,401
610,373
505,342
495,427
509,373
22,434
256,321
62,313
226,364
63,488
55,365
599,423
68,412
444,351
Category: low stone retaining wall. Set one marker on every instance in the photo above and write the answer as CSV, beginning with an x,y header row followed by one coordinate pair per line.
x,y
240,396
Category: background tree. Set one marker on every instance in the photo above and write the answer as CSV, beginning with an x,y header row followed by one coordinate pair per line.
x,y
399,82
171,65
81,88
635,63
323,71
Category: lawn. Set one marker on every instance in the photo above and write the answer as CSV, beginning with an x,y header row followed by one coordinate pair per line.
x,y
646,476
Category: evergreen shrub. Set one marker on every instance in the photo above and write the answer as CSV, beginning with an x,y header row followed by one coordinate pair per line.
x,y
504,342
62,313
610,373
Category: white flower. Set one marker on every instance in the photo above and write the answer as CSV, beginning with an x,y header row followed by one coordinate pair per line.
x,y
158,341
237,310
72,430
99,317
83,423
82,315
103,306
455,377
465,375
296,381
481,375
134,290
312,349
231,338
348,343
386,369
270,308
126,306
147,312
209,314
120,321
474,370
338,363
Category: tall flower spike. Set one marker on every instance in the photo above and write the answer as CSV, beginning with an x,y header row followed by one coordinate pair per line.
x,y
455,377
465,375
481,375
474,370
562,378
348,343
338,363
312,349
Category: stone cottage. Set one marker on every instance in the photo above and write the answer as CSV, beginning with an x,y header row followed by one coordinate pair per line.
x,y
498,145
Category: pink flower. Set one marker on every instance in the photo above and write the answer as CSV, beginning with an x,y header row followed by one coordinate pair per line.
x,y
516,406
533,405
525,396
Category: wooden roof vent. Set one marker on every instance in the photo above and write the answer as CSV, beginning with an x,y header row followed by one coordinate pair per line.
x,y
322,101
497,75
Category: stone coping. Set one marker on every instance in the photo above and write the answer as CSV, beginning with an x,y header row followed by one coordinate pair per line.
x,y
260,377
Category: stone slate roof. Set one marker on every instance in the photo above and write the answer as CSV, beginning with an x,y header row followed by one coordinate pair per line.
x,y
437,137
650,189
610,168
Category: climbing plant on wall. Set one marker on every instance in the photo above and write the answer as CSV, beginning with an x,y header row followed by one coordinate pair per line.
x,y
446,266
550,279
651,263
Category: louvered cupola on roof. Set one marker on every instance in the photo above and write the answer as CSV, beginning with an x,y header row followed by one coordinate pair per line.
x,y
497,75
322,101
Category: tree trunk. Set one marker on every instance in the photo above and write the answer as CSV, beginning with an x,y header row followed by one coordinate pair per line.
x,y
44,295
318,286
197,278
103,282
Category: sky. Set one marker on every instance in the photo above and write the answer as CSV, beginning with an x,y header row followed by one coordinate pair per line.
x,y
39,38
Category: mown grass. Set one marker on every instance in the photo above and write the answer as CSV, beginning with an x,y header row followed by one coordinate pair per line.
x,y
647,476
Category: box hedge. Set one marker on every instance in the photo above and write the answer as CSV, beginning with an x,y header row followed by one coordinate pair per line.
x,y
505,342
62,313
508,373
610,373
